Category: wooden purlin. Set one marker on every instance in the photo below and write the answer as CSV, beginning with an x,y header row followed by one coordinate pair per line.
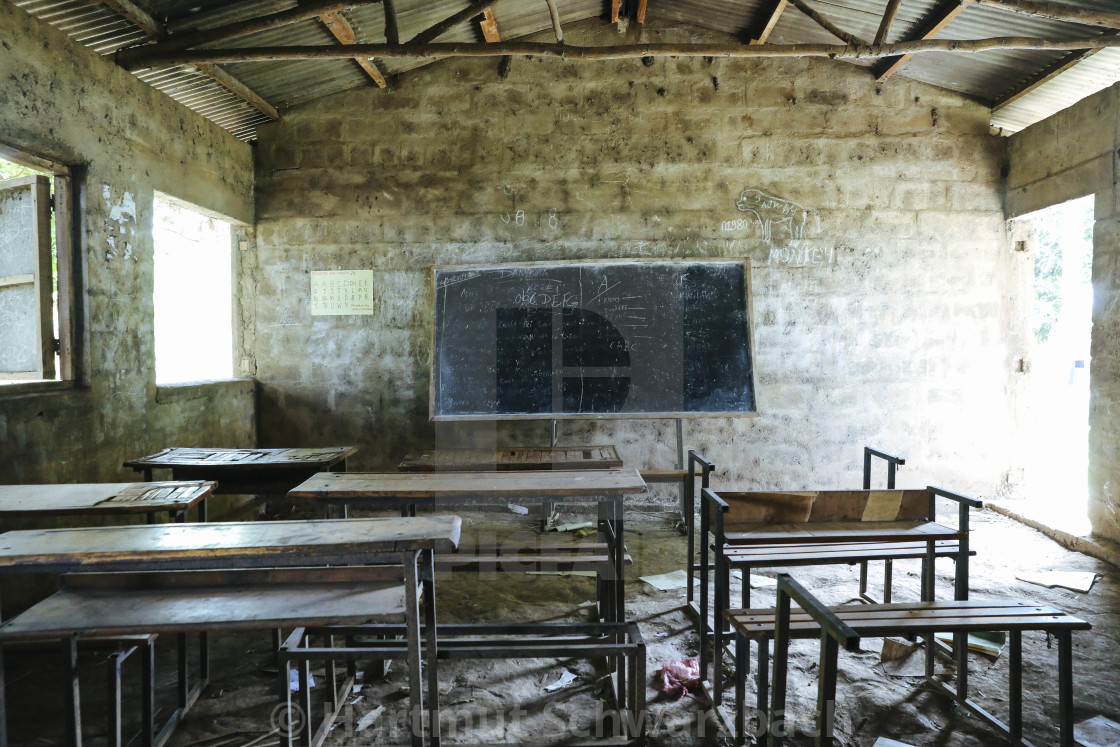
x,y
344,33
929,27
771,21
1045,75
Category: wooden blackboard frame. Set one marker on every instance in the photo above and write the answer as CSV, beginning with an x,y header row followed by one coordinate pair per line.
x,y
749,314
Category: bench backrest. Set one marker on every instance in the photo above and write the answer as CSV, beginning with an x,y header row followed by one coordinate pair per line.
x,y
800,506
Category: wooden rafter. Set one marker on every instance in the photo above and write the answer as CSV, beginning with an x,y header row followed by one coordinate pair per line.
x,y
641,13
392,29
155,29
616,9
434,32
344,32
137,15
136,58
1056,12
489,26
1043,76
631,51
554,14
887,22
771,21
826,24
929,27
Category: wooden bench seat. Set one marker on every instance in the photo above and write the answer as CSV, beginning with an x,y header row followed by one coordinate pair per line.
x,y
881,620
755,529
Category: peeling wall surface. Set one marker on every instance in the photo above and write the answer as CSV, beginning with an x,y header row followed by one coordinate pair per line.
x,y
125,140
885,297
1070,155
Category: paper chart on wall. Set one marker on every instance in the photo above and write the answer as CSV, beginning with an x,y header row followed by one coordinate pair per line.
x,y
339,292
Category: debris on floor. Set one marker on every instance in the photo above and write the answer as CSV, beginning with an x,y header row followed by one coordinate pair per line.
x,y
669,581
367,720
565,679
575,526
293,680
990,644
518,509
681,678
1072,580
884,742
1097,732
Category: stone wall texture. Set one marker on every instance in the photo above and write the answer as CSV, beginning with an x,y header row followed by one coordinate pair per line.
x,y
889,318
125,140
1067,156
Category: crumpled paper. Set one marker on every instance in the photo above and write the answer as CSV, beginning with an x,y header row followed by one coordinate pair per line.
x,y
681,679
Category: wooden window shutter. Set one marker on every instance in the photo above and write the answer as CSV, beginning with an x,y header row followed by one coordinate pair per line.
x,y
27,343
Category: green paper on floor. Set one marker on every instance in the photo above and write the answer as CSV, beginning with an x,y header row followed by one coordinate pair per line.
x,y
987,642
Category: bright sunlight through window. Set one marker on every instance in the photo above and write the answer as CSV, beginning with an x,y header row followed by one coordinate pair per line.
x,y
193,295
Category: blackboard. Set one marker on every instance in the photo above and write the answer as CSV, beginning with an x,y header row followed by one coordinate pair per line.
x,y
592,339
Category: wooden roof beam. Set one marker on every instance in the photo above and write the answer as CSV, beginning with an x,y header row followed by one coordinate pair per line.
x,y
554,14
344,32
632,51
136,58
641,11
929,27
157,30
888,21
1056,12
616,10
434,32
133,13
776,11
1045,75
489,26
392,29
826,24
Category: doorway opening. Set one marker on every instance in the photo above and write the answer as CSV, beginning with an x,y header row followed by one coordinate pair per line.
x,y
1056,479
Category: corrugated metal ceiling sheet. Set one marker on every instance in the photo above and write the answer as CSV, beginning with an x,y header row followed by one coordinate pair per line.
x,y
987,77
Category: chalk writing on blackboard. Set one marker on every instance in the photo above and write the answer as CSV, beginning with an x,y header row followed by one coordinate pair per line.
x,y
582,339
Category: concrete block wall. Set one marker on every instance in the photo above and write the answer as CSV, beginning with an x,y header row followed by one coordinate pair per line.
x,y
1067,156
126,140
889,320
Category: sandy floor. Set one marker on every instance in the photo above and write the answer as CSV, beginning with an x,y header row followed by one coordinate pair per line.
x,y
505,702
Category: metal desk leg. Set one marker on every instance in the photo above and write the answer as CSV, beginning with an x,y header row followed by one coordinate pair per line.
x,y
427,578
1015,686
73,694
203,511
1065,687
410,562
148,693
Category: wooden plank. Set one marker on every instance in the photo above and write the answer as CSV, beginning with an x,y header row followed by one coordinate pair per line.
x,y
513,458
133,13
879,629
513,484
826,24
1045,75
615,8
392,29
824,506
838,532
771,21
93,612
434,32
324,457
278,543
841,553
344,33
641,14
929,27
489,26
12,280
96,498
236,87
1056,12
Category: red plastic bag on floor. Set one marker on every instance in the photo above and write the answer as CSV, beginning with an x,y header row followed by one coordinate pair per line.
x,y
681,678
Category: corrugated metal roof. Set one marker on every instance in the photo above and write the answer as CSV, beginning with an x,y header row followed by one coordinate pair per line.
x,y
988,77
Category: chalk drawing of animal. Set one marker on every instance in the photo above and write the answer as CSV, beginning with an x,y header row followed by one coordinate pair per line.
x,y
772,211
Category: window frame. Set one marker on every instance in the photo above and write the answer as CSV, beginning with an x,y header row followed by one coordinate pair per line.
x,y
72,331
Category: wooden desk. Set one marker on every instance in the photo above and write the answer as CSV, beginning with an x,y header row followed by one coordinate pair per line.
x,y
242,471
512,458
408,542
110,498
606,487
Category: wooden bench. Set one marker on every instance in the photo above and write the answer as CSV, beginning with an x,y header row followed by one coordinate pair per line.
x,y
751,530
620,641
846,624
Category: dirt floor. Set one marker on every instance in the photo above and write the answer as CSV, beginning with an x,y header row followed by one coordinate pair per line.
x,y
505,702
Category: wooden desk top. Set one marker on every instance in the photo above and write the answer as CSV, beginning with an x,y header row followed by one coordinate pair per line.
x,y
513,458
96,498
223,545
243,459
514,484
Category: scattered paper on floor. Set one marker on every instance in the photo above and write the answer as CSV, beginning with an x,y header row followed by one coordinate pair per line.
x,y
293,680
565,679
884,742
1074,580
990,643
669,581
367,720
1097,732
